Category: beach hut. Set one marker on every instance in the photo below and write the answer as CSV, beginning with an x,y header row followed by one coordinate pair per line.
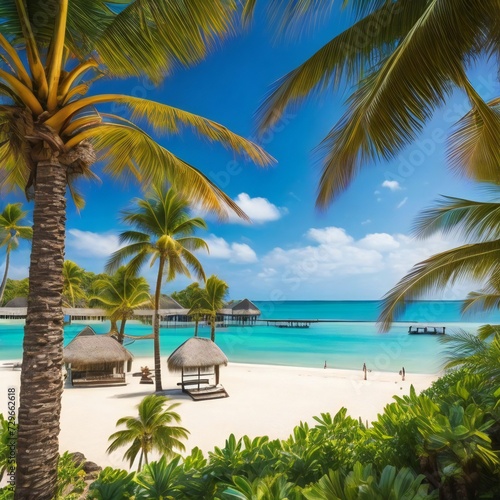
x,y
199,360
92,359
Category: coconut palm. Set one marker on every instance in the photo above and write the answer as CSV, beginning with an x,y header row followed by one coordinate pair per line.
x,y
164,233
478,223
191,298
72,281
10,233
403,59
150,430
212,299
120,295
54,128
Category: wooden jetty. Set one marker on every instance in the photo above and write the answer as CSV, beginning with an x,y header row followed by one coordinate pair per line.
x,y
426,330
290,323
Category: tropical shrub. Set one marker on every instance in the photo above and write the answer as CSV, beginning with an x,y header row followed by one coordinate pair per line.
x,y
363,482
70,478
112,484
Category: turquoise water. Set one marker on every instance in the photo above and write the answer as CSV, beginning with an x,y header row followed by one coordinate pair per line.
x,y
348,342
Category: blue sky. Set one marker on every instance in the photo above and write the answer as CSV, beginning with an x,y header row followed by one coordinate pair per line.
x,y
358,249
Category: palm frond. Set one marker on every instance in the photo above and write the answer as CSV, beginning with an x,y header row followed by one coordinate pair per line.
x,y
151,163
118,257
485,332
164,118
153,37
473,147
461,347
484,300
473,261
344,59
473,220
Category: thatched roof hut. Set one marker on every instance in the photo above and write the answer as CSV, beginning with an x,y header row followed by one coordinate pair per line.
x,y
196,352
96,358
196,357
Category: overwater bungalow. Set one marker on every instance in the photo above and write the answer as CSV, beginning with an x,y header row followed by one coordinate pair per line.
x,y
239,312
92,360
199,360
426,330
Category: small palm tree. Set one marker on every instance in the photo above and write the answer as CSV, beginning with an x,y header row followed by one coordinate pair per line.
x,y
150,430
10,232
212,299
120,295
164,233
72,281
478,222
192,301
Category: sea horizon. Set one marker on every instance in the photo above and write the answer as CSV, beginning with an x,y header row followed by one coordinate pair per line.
x,y
349,340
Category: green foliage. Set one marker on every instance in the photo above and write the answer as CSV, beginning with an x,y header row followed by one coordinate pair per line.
x,y
15,288
113,484
189,296
6,493
268,488
70,478
364,483
6,439
159,480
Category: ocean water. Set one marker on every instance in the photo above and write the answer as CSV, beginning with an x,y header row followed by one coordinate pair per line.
x,y
348,341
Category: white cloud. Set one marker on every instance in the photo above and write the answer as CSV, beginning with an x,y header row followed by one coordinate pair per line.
x,y
237,253
402,202
259,209
336,265
329,235
91,244
367,221
381,242
392,185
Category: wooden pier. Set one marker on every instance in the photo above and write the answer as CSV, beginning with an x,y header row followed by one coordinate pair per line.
x,y
290,323
426,330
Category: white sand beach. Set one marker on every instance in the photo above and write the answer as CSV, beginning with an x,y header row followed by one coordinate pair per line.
x,y
264,400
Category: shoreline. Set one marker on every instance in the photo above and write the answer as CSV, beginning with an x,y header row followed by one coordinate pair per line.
x,y
263,400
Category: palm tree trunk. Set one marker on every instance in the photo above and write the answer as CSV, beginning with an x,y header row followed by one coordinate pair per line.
x,y
41,376
212,329
196,321
4,281
156,326
121,334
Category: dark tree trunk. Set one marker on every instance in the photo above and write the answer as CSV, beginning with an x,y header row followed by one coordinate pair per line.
x,y
196,321
121,333
212,329
156,326
41,376
4,281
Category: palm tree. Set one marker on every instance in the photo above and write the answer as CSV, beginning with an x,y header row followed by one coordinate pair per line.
x,y
10,232
191,299
120,295
54,129
212,300
72,281
403,59
151,430
479,223
163,233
